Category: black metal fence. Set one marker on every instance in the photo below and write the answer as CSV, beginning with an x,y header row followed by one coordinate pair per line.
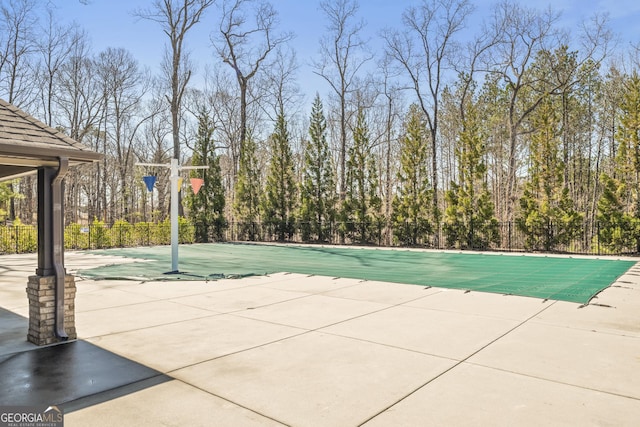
x,y
24,238
509,237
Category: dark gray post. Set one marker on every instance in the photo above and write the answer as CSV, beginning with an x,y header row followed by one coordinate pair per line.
x,y
45,222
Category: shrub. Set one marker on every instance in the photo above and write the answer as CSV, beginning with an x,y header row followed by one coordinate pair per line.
x,y
122,234
99,235
76,236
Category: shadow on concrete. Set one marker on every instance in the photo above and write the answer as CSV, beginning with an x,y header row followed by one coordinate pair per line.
x,y
72,375
13,333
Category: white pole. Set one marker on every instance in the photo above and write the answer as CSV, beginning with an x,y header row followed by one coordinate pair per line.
x,y
174,179
174,215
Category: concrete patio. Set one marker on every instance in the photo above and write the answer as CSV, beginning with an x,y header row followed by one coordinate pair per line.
x,y
289,349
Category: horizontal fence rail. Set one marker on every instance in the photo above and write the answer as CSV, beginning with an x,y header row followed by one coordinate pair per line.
x,y
504,236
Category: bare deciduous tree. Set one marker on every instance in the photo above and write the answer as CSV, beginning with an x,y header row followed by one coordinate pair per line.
x,y
522,33
247,35
425,50
222,95
55,46
282,94
391,94
17,45
526,35
176,17
342,55
78,96
123,89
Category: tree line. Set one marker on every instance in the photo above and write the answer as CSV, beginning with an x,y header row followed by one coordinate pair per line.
x,y
447,132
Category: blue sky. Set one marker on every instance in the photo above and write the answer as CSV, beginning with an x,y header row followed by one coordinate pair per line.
x,y
110,23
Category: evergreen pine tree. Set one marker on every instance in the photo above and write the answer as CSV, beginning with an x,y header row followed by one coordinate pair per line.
x,y
547,216
6,194
360,215
280,189
411,223
619,206
207,207
318,187
469,220
615,226
629,135
247,197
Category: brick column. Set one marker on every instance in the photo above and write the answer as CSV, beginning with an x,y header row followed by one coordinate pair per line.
x,y
42,306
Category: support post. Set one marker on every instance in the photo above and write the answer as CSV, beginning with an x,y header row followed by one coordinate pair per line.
x,y
174,215
45,222
173,181
41,292
51,292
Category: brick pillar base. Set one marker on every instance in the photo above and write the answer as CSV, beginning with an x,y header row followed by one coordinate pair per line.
x,y
42,305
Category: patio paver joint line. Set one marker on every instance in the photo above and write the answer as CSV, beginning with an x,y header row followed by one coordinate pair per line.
x,y
457,364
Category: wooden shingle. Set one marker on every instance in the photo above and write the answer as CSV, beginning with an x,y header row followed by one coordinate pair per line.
x,y
26,144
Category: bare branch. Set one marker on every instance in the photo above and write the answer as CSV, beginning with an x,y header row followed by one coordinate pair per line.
x,y
176,18
245,45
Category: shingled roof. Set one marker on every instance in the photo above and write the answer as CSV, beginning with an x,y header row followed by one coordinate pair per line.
x,y
26,144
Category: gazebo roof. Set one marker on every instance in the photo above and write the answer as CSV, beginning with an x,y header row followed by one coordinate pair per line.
x,y
26,144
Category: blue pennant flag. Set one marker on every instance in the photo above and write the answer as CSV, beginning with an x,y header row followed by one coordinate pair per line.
x,y
149,180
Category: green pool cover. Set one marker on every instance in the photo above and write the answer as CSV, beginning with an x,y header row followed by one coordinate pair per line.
x,y
558,278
